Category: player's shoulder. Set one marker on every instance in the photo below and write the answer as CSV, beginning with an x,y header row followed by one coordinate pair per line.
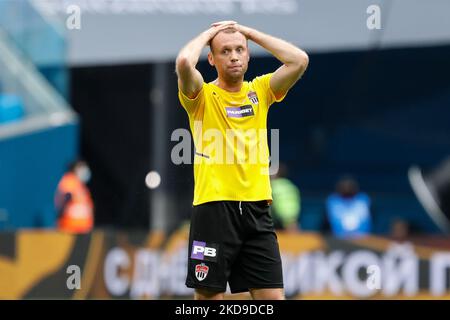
x,y
261,79
208,87
260,83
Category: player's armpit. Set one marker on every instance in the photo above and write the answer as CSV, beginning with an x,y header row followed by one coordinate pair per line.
x,y
191,104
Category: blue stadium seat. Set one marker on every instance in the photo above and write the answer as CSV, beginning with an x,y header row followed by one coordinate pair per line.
x,y
11,108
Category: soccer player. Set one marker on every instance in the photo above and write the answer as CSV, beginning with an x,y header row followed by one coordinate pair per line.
x,y
232,238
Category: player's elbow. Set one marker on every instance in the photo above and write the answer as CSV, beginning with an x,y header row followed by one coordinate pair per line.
x,y
302,60
182,64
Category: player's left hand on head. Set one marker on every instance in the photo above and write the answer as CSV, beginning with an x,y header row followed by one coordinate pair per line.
x,y
243,29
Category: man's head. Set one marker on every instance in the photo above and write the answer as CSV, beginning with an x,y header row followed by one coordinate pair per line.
x,y
229,55
347,187
80,168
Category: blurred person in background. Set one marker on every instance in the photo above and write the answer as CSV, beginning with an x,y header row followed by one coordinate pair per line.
x,y
286,203
400,229
73,200
232,239
348,210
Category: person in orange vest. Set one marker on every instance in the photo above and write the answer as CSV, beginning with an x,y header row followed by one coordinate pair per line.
x,y
73,200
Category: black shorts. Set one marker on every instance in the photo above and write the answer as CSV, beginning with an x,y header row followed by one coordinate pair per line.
x,y
234,242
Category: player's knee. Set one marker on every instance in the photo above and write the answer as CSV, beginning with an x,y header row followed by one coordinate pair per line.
x,y
205,294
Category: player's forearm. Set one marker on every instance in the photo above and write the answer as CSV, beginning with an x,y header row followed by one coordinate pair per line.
x,y
284,51
190,54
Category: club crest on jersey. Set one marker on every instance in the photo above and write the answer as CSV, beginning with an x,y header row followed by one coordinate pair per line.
x,y
253,97
201,271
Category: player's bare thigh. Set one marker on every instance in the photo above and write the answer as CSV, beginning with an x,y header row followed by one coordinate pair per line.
x,y
257,294
267,294
204,294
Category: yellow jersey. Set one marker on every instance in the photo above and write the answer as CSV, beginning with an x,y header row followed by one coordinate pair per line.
x,y
231,154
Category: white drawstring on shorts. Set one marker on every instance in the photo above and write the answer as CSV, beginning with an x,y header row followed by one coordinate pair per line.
x,y
240,207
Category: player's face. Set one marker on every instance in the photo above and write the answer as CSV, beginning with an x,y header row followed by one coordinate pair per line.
x,y
229,55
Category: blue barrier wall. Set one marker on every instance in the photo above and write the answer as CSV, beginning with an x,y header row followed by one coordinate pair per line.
x,y
30,168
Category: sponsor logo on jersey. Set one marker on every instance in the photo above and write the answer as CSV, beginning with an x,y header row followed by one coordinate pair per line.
x,y
239,112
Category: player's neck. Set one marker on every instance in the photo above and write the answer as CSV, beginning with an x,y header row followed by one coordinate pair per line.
x,y
231,86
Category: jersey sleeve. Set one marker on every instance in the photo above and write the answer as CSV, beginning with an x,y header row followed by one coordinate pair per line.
x,y
262,84
191,105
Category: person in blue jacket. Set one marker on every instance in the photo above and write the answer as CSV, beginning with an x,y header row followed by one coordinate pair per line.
x,y
348,210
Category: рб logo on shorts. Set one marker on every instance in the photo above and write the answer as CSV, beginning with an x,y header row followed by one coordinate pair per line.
x,y
204,251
